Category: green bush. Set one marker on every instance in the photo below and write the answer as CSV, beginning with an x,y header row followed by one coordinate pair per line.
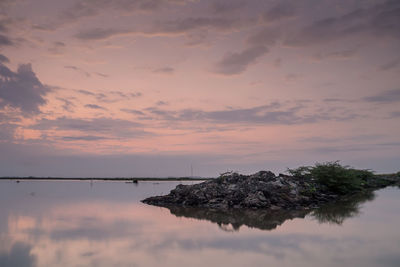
x,y
337,178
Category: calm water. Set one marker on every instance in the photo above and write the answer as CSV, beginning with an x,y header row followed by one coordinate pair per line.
x,y
104,224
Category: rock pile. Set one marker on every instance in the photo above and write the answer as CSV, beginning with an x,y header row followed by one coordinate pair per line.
x,y
262,190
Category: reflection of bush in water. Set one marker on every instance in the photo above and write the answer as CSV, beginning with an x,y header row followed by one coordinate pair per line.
x,y
339,211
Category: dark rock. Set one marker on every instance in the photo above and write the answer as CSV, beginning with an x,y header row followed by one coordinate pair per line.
x,y
262,190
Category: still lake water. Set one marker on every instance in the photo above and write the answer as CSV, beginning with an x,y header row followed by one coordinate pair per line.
x,y
71,223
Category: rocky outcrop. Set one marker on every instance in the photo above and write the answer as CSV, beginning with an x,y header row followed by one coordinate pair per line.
x,y
262,190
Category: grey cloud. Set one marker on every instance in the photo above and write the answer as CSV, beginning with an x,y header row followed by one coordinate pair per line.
x,y
19,255
7,131
84,138
22,89
292,77
282,10
161,103
8,125
85,92
102,74
67,106
341,149
5,22
341,140
222,7
186,26
102,125
75,68
94,106
395,114
100,33
4,59
114,128
119,93
57,48
274,113
190,24
132,111
5,41
90,8
109,97
267,36
333,99
138,94
390,65
342,54
235,63
379,20
165,70
390,96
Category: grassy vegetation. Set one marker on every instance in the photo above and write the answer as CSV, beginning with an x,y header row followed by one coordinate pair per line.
x,y
337,178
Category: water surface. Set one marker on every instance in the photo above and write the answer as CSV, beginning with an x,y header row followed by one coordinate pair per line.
x,y
56,223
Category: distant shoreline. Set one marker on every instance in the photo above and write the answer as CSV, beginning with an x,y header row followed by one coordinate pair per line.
x,y
133,179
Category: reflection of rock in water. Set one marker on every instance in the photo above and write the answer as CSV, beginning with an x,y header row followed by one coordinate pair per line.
x,y
337,212
233,219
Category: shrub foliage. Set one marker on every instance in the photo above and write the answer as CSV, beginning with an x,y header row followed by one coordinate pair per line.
x,y
337,178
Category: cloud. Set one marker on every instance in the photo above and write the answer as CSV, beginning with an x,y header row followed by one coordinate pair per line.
x,y
161,103
75,68
137,94
101,74
7,131
84,138
100,33
22,89
339,55
390,96
164,28
282,10
85,92
390,65
67,106
114,128
132,111
89,125
273,113
91,8
222,7
395,114
4,59
19,255
188,24
57,48
235,63
164,70
5,41
267,36
94,106
379,20
110,96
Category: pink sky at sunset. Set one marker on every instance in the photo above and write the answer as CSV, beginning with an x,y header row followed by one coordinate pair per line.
x,y
150,87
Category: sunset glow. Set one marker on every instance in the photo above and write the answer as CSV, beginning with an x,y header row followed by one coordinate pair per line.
x,y
151,88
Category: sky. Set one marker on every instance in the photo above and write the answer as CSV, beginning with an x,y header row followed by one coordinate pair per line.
x,y
101,88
